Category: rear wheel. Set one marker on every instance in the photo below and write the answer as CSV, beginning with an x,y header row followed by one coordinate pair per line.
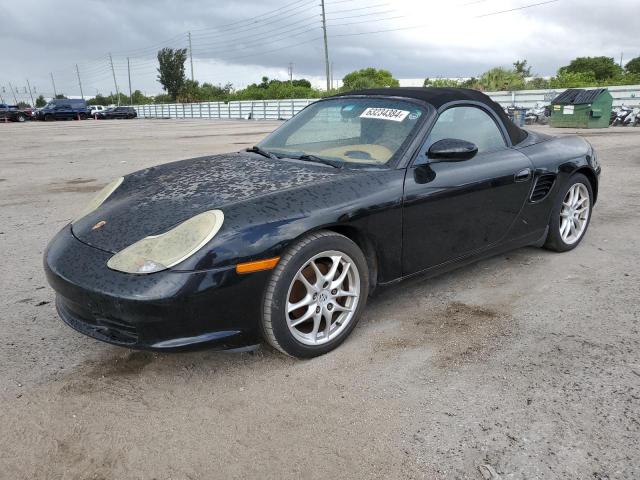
x,y
315,295
21,118
571,215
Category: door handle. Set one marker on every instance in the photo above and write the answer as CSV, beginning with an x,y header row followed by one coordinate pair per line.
x,y
523,175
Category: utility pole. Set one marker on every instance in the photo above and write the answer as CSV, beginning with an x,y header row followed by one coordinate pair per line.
x,y
129,73
13,92
191,55
331,75
30,94
326,47
55,94
113,70
79,81
290,72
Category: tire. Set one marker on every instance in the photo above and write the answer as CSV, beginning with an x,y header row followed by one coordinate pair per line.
x,y
48,118
338,303
83,116
21,118
562,238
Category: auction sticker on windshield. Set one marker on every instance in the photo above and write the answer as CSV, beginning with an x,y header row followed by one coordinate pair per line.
x,y
385,114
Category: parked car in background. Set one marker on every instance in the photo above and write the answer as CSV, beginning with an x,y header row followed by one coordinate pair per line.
x,y
63,109
117,112
93,109
12,113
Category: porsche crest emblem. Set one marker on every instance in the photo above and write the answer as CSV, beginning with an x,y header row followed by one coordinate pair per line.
x,y
99,225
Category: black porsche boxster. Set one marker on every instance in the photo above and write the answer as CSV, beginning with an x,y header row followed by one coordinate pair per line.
x,y
285,241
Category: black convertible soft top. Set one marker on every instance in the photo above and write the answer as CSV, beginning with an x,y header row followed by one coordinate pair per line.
x,y
440,96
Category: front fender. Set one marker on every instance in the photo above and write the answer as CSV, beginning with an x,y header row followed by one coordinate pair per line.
x,y
369,202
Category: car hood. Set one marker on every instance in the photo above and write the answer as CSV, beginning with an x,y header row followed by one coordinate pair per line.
x,y
152,201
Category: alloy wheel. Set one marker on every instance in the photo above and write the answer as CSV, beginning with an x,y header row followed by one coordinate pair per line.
x,y
574,214
323,297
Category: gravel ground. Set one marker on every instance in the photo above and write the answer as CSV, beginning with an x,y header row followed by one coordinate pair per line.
x,y
522,366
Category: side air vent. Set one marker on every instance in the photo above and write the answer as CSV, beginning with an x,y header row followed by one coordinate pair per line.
x,y
543,186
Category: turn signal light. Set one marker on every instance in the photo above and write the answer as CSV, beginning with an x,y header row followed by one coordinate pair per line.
x,y
257,266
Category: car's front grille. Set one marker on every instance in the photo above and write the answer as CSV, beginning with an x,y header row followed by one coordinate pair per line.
x,y
102,328
542,187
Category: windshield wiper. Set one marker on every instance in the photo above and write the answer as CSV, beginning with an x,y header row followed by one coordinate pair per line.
x,y
260,151
314,158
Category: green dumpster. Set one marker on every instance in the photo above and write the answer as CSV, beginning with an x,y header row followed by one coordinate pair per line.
x,y
578,108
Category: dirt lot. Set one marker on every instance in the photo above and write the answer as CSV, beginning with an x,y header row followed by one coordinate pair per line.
x,y
528,362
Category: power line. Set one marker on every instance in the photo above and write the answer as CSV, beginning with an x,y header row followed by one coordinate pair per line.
x,y
427,25
261,35
214,43
220,31
261,17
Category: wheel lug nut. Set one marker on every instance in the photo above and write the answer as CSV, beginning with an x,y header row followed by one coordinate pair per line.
x,y
330,307
315,295
317,309
334,291
326,284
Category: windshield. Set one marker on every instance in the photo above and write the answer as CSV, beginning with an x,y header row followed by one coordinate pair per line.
x,y
370,131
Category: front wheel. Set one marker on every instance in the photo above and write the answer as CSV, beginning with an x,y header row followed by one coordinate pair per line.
x,y
315,295
571,214
22,118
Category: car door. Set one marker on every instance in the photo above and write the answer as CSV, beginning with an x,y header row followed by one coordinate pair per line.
x,y
455,209
62,112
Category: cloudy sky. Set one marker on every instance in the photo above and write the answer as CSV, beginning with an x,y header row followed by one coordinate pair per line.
x,y
239,42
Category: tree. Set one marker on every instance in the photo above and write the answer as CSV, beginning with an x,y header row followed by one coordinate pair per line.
x,y
40,102
98,100
500,78
440,82
171,70
368,78
216,92
111,99
190,92
521,68
537,83
633,66
139,98
572,80
301,82
602,68
60,96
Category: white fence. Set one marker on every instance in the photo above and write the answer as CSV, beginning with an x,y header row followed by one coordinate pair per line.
x,y
284,109
256,109
628,95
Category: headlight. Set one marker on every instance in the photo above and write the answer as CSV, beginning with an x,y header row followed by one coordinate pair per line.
x,y
99,199
159,252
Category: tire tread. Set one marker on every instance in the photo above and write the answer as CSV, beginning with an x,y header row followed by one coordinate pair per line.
x,y
267,323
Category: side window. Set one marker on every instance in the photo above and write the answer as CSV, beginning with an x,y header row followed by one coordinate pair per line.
x,y
468,123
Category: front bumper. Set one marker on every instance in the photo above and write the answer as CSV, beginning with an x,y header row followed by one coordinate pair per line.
x,y
163,311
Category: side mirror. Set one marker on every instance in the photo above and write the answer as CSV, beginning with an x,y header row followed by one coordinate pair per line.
x,y
451,150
